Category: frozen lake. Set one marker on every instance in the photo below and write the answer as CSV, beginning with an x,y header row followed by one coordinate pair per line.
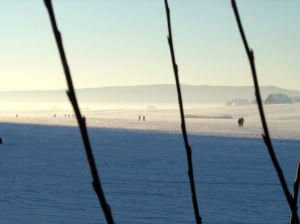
x,y
45,177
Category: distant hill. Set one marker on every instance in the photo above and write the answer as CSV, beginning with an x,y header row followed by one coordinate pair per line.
x,y
146,94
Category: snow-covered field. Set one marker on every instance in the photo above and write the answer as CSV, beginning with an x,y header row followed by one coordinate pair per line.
x,y
283,120
142,166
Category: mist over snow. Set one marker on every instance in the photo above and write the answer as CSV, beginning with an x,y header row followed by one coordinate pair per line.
x,y
135,97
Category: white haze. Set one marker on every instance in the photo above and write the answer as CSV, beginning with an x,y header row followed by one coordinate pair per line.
x,y
132,97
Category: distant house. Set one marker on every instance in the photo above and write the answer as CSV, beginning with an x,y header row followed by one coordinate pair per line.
x,y
278,99
296,99
239,102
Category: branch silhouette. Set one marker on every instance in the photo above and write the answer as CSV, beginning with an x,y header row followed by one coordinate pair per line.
x,y
186,143
266,135
296,189
81,120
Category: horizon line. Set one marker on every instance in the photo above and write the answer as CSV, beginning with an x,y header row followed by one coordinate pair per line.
x,y
33,90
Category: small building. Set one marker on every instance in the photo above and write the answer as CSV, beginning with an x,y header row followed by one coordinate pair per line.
x,y
296,99
239,102
278,99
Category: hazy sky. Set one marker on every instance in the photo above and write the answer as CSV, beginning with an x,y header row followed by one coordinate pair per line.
x,y
124,42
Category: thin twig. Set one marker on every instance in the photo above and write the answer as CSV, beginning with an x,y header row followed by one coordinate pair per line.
x,y
266,135
188,148
81,120
296,189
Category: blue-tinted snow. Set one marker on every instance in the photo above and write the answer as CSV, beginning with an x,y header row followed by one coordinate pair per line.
x,y
45,177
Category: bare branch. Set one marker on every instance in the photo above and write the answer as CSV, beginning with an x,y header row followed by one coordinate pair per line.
x,y
266,135
188,148
296,189
81,120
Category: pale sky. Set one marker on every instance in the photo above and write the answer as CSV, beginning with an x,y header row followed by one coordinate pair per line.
x,y
124,43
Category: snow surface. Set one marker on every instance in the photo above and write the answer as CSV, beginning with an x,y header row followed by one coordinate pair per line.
x,y
45,177
283,120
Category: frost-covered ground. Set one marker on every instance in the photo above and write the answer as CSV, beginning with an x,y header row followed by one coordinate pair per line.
x,y
283,120
142,165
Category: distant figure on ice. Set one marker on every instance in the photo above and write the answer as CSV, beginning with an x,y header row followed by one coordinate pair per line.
x,y
241,122
139,118
144,118
0,140
16,115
